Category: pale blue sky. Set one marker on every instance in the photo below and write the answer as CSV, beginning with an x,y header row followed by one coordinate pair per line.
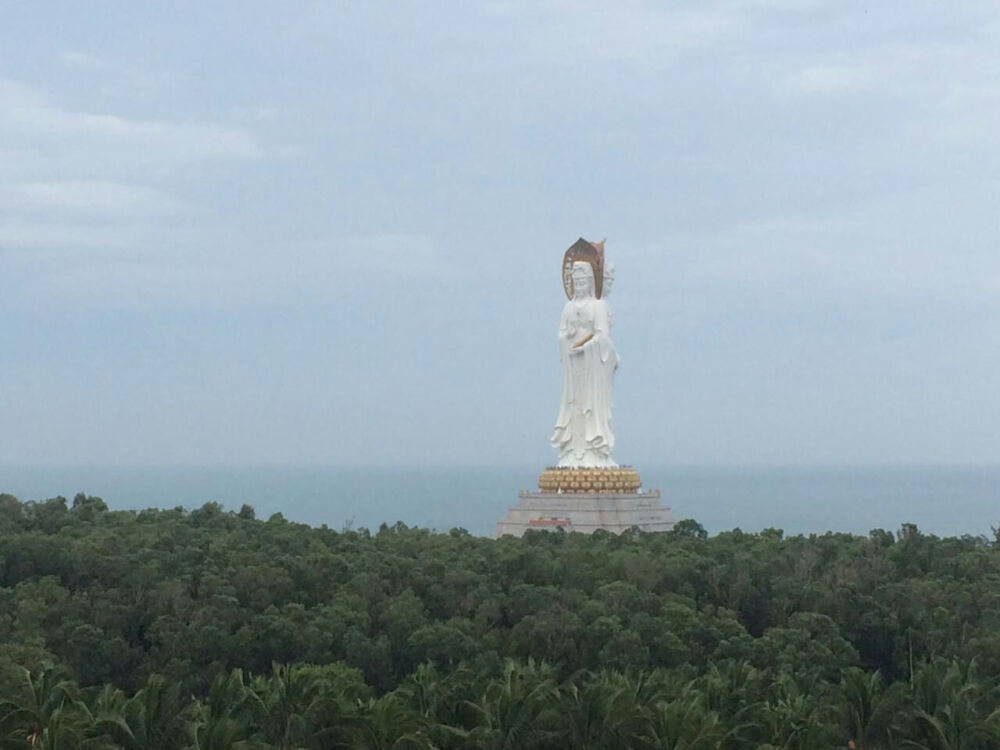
x,y
244,232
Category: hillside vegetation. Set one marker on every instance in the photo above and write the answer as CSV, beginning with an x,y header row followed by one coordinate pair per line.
x,y
210,629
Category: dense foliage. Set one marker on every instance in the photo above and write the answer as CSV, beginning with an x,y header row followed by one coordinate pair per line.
x,y
209,629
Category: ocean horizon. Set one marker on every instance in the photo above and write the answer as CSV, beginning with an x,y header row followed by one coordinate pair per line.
x,y
942,500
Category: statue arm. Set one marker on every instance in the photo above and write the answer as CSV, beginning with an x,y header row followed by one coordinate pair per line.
x,y
564,323
566,331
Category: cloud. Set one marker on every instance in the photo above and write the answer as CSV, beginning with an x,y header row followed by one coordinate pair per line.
x,y
95,197
830,79
80,59
798,6
521,33
18,236
968,113
134,265
26,114
639,32
97,189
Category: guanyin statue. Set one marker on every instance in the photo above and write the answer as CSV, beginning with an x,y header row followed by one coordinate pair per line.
x,y
583,434
587,490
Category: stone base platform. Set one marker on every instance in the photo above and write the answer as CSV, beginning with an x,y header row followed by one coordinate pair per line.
x,y
586,512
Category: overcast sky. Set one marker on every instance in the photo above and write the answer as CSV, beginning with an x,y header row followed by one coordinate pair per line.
x,y
330,233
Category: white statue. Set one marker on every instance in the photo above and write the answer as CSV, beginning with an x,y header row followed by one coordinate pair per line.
x,y
583,433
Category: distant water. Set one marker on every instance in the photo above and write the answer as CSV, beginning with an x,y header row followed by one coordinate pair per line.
x,y
940,500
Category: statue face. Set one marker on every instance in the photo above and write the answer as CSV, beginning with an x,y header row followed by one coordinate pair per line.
x,y
583,280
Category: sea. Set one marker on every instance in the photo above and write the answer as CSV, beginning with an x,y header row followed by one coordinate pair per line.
x,y
941,500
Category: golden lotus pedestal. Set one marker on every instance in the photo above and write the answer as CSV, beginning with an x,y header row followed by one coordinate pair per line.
x,y
585,500
602,481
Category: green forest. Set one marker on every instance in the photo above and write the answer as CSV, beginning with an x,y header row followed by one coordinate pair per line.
x,y
170,629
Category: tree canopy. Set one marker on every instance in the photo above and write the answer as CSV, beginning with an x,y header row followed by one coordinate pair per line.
x,y
213,629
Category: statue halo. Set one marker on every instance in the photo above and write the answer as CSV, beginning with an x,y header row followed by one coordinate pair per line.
x,y
584,251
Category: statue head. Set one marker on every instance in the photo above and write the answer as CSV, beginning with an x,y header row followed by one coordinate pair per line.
x,y
584,251
583,280
609,279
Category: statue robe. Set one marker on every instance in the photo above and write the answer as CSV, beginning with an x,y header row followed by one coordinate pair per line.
x,y
583,433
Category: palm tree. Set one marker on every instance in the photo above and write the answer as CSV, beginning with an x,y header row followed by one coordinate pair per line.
x,y
294,709
950,708
48,714
728,688
155,718
518,710
605,712
732,689
223,721
387,723
792,719
441,702
108,712
684,723
867,714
